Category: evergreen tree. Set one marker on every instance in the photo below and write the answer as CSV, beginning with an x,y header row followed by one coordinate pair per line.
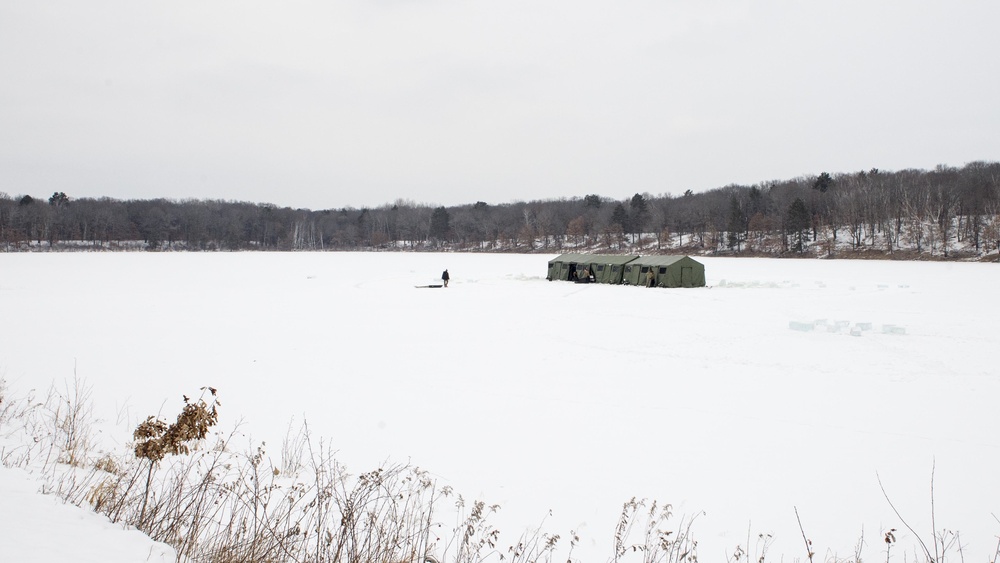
x,y
757,203
59,199
440,224
619,217
639,215
737,225
823,182
797,222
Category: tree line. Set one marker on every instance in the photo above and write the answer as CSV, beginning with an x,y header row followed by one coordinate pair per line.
x,y
947,212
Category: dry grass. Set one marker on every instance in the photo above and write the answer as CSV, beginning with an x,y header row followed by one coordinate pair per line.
x,y
188,486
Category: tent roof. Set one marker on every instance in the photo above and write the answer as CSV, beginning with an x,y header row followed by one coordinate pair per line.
x,y
595,258
662,260
570,257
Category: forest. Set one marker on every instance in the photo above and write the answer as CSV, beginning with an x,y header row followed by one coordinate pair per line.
x,y
944,213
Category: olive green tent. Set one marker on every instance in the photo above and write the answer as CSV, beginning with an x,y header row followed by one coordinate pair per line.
x,y
668,271
603,268
610,268
563,267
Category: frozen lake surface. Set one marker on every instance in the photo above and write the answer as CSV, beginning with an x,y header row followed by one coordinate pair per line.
x,y
736,403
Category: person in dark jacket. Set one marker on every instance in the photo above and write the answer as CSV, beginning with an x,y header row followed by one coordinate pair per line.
x,y
445,277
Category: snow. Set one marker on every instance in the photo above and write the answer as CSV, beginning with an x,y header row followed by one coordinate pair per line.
x,y
776,388
41,528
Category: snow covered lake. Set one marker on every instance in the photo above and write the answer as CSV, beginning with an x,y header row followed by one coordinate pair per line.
x,y
784,384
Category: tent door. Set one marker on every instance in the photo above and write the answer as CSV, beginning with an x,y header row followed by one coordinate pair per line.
x,y
686,277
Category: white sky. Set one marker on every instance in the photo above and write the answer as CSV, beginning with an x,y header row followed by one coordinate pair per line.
x,y
358,103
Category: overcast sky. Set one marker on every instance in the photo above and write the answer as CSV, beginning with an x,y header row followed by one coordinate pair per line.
x,y
358,103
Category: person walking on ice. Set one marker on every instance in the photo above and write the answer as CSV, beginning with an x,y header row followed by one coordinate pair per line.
x,y
445,277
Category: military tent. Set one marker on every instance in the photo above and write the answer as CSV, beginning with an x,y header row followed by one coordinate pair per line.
x,y
603,268
668,271
610,268
563,267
